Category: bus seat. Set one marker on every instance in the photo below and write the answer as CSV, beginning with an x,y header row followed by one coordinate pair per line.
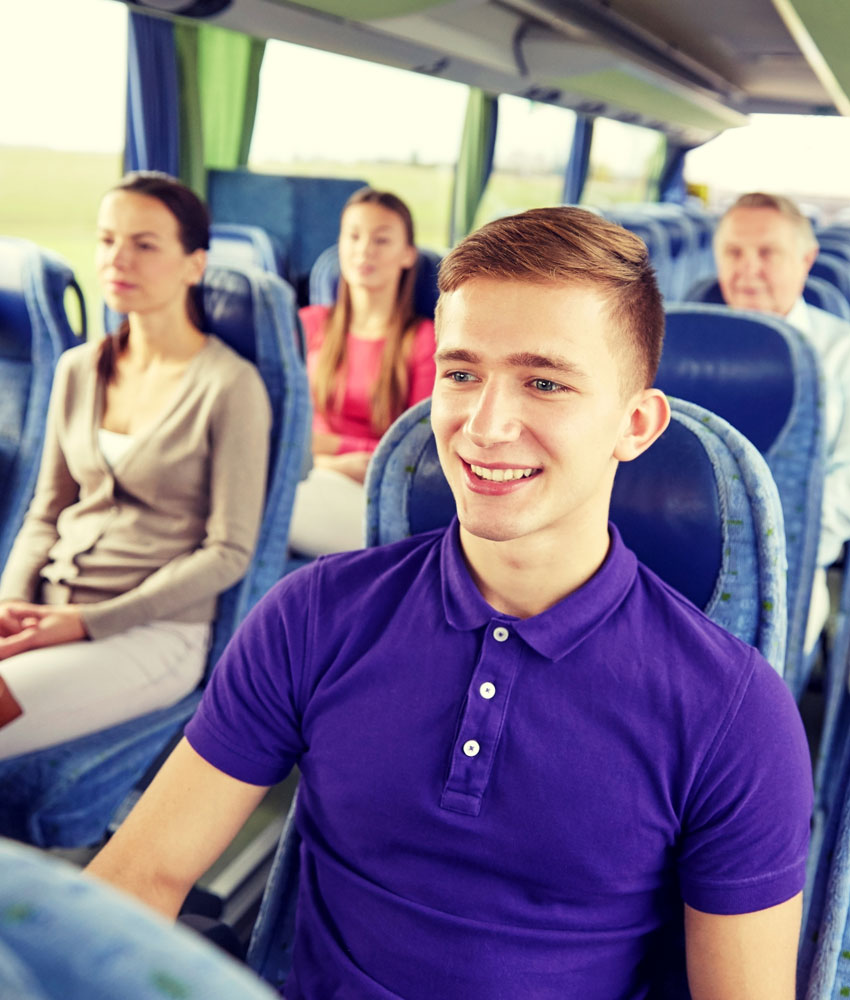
x,y
300,213
817,292
66,936
833,269
324,277
245,245
725,360
823,961
699,507
835,245
66,795
34,330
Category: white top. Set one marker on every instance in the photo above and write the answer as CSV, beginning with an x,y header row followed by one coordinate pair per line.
x,y
830,337
113,446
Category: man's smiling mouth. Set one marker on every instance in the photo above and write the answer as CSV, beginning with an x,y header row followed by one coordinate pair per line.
x,y
501,475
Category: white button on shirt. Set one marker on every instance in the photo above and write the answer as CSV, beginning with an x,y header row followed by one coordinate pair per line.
x,y
471,748
487,690
500,634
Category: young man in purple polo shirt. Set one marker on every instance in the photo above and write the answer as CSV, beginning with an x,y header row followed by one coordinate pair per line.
x,y
525,760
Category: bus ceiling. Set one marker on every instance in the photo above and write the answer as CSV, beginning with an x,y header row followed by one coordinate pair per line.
x,y
689,68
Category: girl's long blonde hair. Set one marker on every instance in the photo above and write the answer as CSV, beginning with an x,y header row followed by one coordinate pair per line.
x,y
389,394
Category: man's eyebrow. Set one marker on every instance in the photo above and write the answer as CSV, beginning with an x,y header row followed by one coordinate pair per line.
x,y
458,356
525,359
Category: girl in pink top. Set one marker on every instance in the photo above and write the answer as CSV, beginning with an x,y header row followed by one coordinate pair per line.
x,y
369,358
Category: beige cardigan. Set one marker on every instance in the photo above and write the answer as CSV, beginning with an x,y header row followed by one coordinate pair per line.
x,y
173,524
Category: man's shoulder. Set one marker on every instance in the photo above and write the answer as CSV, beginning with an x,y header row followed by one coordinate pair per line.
x,y
365,573
826,326
693,641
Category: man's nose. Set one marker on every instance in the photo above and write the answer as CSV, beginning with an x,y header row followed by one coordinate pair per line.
x,y
494,418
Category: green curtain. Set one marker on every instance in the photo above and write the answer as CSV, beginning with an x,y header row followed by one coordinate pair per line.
x,y
219,85
475,160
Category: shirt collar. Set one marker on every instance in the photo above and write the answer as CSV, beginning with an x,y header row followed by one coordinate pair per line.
x,y
556,631
798,316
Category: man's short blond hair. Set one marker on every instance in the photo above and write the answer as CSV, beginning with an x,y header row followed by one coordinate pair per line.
x,y
785,207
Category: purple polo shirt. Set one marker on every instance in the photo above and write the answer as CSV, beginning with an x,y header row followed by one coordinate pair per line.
x,y
494,807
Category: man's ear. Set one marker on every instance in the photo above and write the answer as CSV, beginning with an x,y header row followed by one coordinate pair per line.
x,y
647,418
809,257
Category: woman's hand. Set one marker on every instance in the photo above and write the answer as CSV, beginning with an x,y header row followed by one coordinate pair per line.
x,y
325,443
25,626
351,463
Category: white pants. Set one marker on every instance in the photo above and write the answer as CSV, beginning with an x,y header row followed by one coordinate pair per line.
x,y
329,514
77,688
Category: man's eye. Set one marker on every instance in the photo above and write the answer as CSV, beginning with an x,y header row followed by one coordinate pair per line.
x,y
460,376
547,385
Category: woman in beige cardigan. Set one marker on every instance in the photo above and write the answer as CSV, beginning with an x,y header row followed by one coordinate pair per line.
x,y
149,494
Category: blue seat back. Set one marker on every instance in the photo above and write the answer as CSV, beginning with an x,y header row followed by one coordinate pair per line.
x,y
66,795
245,246
833,269
817,291
300,213
64,936
763,377
34,330
324,279
699,507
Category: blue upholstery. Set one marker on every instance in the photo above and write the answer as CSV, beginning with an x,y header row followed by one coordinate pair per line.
x,y
34,330
324,278
300,213
764,377
66,795
823,964
245,245
817,292
700,508
833,269
65,936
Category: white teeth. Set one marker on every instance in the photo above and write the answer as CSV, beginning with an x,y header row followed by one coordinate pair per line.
x,y
500,475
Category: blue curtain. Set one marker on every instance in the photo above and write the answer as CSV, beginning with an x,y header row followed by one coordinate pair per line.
x,y
579,161
671,183
153,138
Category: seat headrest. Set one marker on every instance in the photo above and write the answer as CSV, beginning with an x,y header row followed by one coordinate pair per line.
x,y
15,325
724,360
227,306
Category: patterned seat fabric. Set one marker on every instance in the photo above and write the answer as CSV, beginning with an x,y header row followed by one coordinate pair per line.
x,y
725,359
64,936
66,795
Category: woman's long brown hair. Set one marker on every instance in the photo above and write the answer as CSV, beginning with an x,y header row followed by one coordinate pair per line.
x,y
389,395
193,229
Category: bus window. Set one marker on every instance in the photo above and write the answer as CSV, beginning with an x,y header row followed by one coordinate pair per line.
x,y
333,116
530,158
62,124
624,163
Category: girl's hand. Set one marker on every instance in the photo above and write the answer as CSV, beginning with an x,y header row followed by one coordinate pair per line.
x,y
25,626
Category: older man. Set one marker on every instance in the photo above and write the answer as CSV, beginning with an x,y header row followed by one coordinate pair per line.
x,y
764,248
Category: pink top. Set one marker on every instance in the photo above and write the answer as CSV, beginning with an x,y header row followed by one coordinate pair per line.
x,y
353,421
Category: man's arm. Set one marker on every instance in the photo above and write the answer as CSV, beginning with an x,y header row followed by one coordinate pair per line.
x,y
178,828
746,956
